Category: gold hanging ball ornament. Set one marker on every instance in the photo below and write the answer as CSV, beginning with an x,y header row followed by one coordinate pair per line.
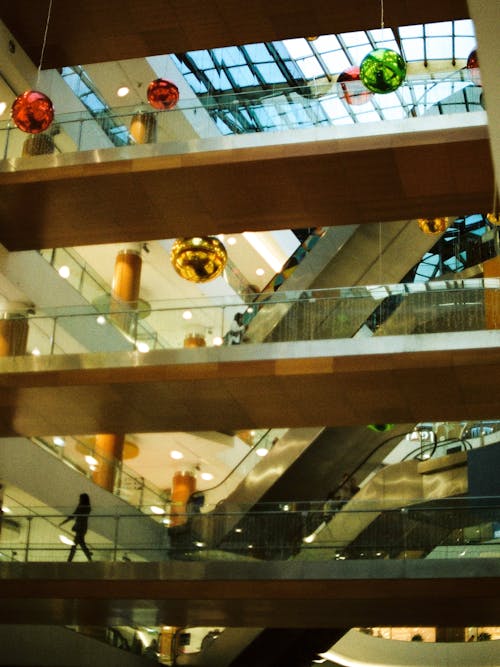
x,y
433,225
198,259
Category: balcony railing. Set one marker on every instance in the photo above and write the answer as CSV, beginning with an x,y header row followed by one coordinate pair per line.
x,y
449,528
279,109
318,314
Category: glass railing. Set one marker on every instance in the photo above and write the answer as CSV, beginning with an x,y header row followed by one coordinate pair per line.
x,y
318,314
83,457
282,109
451,528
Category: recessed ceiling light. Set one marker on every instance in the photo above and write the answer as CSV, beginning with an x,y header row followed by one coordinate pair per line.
x,y
231,240
35,352
101,319
6,509
262,451
217,341
142,347
260,272
3,106
187,315
57,440
207,476
64,271
175,454
91,460
122,91
157,510
66,540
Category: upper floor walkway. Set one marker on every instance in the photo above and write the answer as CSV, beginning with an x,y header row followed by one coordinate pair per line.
x,y
438,360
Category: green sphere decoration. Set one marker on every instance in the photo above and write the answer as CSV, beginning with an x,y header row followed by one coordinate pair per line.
x,y
380,428
382,71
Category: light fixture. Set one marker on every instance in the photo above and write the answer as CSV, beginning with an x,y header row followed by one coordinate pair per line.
x,y
59,441
175,454
64,271
231,240
66,540
3,106
262,451
6,510
198,259
157,510
142,347
101,319
35,352
187,315
217,341
91,460
260,272
309,538
123,91
433,225
207,476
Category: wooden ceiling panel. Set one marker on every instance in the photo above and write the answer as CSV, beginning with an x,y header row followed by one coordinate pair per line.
x,y
170,390
95,31
260,189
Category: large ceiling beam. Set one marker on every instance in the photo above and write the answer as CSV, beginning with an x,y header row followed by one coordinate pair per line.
x,y
349,382
96,31
151,192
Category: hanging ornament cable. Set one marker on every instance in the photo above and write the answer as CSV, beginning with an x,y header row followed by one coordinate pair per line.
x,y
44,43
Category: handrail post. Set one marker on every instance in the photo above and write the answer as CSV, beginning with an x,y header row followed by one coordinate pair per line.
x,y
28,537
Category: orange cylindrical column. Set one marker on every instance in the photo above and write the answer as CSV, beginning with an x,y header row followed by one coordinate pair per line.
x,y
13,330
143,127
491,269
183,486
125,287
109,453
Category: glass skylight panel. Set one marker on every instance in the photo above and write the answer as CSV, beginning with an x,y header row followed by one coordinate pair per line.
x,y
298,48
202,59
355,38
367,116
336,61
464,27
357,53
413,49
230,55
271,72
439,48
258,53
310,67
464,46
438,29
243,77
218,80
411,31
197,85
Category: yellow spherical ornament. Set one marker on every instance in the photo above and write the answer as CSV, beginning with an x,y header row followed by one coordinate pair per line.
x,y
433,225
198,259
494,218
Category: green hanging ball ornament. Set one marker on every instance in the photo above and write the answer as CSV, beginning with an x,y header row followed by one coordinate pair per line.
x,y
382,71
380,428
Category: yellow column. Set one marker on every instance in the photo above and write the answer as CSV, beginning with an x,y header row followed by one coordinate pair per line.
x,y
143,127
183,486
126,286
125,294
491,269
13,330
109,453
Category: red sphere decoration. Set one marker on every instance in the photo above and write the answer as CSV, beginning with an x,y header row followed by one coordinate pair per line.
x,y
351,89
473,68
32,112
162,94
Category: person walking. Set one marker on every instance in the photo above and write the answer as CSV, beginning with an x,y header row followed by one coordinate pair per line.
x,y
81,518
236,331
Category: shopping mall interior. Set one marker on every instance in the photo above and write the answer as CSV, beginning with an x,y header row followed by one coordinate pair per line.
x,y
250,308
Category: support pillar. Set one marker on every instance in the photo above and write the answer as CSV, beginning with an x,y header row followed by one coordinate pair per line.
x,y
13,330
491,269
125,294
183,486
109,453
125,287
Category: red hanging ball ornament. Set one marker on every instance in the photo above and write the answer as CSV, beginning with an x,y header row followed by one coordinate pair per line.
x,y
32,111
350,87
473,68
162,94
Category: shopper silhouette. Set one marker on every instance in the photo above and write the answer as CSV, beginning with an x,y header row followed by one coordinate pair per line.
x,y
236,331
81,518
